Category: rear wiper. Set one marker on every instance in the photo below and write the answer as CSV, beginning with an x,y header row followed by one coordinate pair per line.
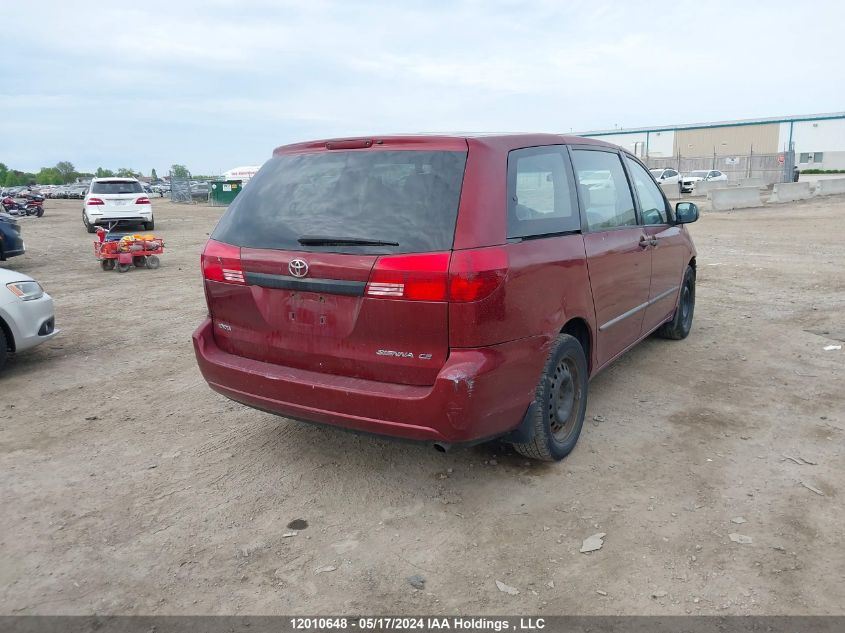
x,y
326,240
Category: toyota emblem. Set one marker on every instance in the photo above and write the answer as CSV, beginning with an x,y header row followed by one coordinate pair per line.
x,y
298,268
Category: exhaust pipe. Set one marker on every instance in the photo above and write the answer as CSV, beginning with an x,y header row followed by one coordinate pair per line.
x,y
442,447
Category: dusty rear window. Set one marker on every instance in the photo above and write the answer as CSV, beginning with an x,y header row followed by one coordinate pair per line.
x,y
116,186
408,198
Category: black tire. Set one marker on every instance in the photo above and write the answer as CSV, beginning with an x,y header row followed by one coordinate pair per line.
x,y
561,401
39,212
153,262
4,351
681,324
139,261
124,268
149,226
107,264
88,226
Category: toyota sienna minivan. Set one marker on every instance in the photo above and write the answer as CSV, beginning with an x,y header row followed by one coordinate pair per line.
x,y
447,289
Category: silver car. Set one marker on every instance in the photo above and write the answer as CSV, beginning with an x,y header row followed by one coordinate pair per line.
x,y
26,314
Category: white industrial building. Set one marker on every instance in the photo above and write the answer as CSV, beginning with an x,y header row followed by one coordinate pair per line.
x,y
818,139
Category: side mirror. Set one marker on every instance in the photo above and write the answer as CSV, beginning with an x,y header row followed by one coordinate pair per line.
x,y
686,212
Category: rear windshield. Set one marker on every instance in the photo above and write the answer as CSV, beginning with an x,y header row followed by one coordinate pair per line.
x,y
116,186
407,198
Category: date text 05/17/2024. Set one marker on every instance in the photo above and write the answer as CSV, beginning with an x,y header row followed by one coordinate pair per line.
x,y
456,623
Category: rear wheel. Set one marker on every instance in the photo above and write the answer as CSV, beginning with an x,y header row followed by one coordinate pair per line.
x,y
139,261
107,264
153,262
561,399
149,226
681,324
88,226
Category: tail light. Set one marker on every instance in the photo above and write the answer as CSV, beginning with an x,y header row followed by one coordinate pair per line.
x,y
94,201
420,277
143,200
466,276
222,262
475,274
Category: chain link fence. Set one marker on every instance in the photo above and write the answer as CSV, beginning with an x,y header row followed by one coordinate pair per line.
x,y
770,168
180,189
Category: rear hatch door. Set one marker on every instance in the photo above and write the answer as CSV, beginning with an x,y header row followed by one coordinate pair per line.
x,y
338,261
119,197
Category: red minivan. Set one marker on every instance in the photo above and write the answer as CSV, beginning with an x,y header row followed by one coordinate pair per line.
x,y
448,289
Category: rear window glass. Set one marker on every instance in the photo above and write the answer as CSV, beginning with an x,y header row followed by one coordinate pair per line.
x,y
409,198
116,186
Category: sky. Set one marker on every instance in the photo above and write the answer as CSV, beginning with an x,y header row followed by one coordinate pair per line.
x,y
219,83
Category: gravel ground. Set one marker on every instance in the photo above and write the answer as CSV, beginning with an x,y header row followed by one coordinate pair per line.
x,y
128,487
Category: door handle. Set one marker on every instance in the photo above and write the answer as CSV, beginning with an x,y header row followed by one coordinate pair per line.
x,y
645,242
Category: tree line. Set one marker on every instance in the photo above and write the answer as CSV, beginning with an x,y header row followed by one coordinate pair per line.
x,y
64,173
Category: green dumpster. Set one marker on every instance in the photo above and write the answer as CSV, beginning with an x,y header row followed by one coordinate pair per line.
x,y
224,191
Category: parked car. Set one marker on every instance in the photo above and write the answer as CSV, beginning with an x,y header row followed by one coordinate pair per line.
x,y
665,176
11,242
111,199
199,189
77,192
447,289
15,192
688,181
26,314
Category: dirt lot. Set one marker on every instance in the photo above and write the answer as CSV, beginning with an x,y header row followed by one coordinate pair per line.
x,y
129,487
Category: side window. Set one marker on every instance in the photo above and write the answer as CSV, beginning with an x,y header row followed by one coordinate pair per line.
x,y
603,189
541,197
671,172
652,204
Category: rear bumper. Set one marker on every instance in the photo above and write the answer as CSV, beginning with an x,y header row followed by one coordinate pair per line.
x,y
478,394
11,242
13,253
111,218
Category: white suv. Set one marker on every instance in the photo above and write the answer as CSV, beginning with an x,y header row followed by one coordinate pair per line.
x,y
665,176
110,200
688,181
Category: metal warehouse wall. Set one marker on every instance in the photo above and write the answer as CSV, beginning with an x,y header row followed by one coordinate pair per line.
x,y
658,143
819,140
814,136
818,144
729,140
